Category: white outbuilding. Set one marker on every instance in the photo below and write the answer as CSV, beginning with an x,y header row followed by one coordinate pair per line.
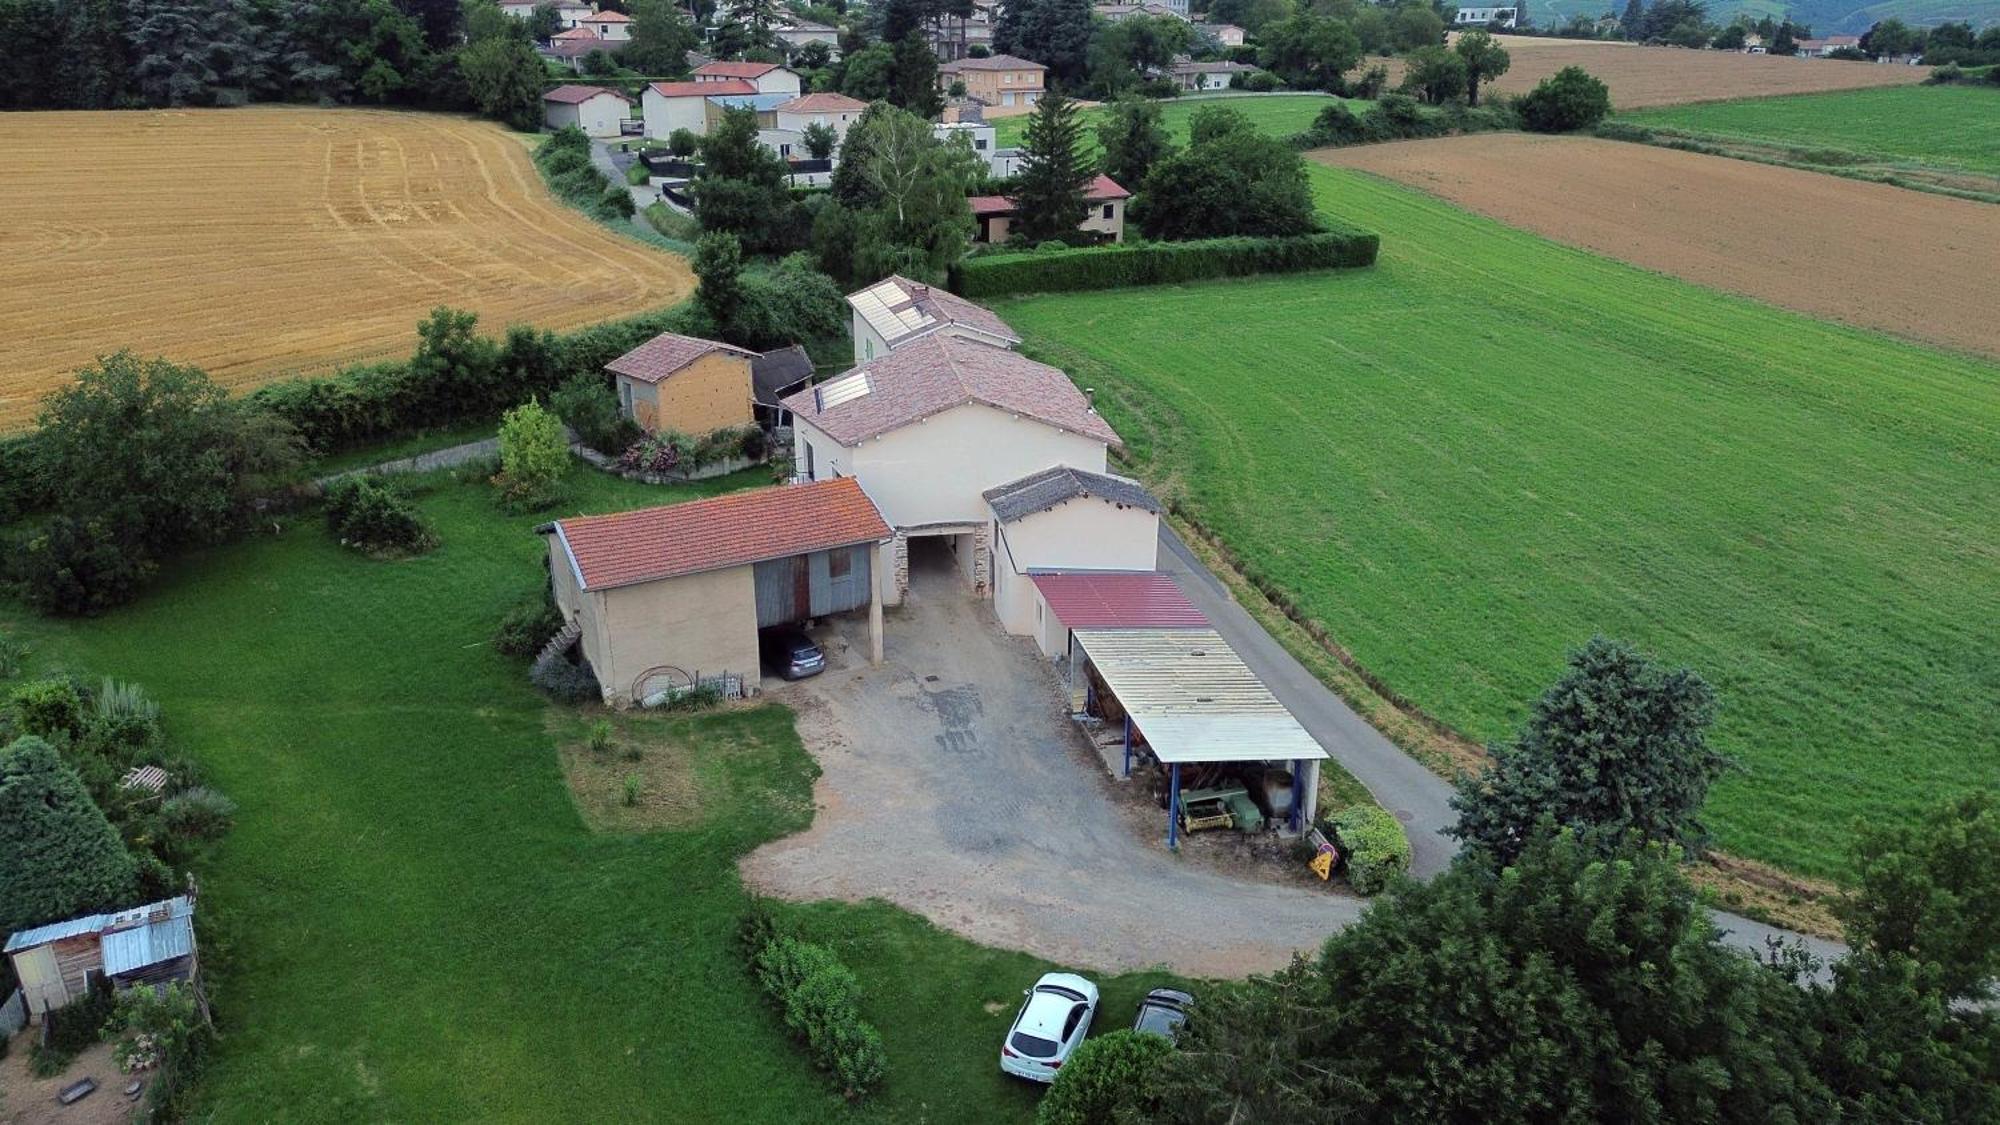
x,y
594,109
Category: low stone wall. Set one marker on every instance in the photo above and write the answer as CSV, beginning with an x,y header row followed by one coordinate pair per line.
x,y
720,468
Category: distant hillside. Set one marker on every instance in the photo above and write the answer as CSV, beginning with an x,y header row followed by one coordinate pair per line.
x,y
1825,17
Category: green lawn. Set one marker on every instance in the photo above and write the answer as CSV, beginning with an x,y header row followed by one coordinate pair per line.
x,y
1489,447
1280,116
413,923
1938,126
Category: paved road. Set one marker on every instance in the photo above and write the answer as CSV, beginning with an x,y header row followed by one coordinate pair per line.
x,y
487,449
1416,795
642,197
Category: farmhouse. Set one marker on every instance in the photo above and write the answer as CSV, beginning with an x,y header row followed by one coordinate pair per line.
x,y
684,105
594,109
995,80
1821,48
684,384
765,78
1227,34
149,944
1485,17
1064,518
612,27
1106,216
896,310
930,427
664,597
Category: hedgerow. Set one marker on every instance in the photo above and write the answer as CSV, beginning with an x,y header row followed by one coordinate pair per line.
x,y
820,1000
1161,263
1376,849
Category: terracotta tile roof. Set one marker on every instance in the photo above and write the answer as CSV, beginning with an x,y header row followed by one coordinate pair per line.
x,y
607,17
575,33
900,310
627,548
1118,600
1038,492
703,89
936,373
992,62
737,69
577,48
577,95
1103,189
665,354
823,103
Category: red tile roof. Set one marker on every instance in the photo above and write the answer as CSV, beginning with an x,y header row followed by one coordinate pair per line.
x,y
607,17
823,103
1103,189
992,62
703,89
935,373
627,548
577,95
667,353
575,33
737,69
1118,600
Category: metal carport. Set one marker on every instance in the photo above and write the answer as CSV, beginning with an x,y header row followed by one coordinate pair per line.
x,y
1195,701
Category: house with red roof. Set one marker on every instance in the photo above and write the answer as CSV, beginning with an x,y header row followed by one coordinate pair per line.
x,y
768,78
597,111
662,598
685,384
1064,520
684,105
894,311
995,214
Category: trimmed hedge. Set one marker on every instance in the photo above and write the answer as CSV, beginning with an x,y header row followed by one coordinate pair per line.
x,y
820,1000
1160,263
1373,841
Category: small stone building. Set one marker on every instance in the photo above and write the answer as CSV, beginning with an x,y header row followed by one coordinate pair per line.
x,y
684,384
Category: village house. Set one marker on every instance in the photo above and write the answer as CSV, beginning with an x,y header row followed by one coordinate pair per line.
x,y
684,384
1196,76
1227,34
1485,17
664,598
684,105
928,429
999,80
796,34
1000,162
764,78
1114,13
764,106
1821,48
597,111
896,311
150,944
608,25
1064,519
572,46
1106,215
835,110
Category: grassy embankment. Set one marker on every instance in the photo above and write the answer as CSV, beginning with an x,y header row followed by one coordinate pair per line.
x,y
1489,447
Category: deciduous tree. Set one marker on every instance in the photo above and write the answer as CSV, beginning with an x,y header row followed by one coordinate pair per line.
x,y
1485,59
1133,140
1929,889
1309,51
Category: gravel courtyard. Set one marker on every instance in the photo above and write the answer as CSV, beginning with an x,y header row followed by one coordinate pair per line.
x,y
955,787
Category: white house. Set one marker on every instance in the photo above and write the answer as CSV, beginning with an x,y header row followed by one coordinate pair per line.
x,y
614,27
795,34
933,425
1001,162
594,109
764,78
684,105
1227,34
835,110
1481,17
1066,519
896,311
1195,76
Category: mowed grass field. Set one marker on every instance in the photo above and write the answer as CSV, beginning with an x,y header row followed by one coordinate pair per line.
x,y
1953,127
1490,447
1279,115
269,240
411,920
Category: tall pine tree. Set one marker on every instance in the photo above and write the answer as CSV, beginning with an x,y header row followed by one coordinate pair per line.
x,y
59,856
1050,199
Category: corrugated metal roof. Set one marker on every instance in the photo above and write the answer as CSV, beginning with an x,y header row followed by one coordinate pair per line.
x,y
1193,698
762,103
164,931
172,911
1118,600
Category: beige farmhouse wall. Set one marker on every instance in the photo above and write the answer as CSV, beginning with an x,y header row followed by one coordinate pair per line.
x,y
699,623
712,393
1082,534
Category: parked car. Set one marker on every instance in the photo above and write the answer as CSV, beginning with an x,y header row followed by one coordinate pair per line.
x,y
1162,1012
789,653
1054,1019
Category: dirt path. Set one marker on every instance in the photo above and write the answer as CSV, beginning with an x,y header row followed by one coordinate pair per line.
x,y
955,787
1869,255
28,1100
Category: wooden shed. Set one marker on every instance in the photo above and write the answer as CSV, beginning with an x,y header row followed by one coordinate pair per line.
x,y
149,944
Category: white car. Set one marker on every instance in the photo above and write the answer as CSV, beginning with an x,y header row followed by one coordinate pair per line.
x,y
1053,1021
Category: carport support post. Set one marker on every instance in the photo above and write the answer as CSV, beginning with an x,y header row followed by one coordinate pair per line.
x,y
1174,807
875,619
1128,746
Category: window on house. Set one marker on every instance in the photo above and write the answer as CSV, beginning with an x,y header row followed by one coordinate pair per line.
x,y
1107,210
980,144
811,474
840,562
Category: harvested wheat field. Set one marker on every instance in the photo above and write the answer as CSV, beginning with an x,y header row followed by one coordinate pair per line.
x,y
1648,76
1869,255
261,242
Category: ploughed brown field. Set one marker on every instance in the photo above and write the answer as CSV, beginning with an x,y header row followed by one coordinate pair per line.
x,y
261,242
1870,255
1646,76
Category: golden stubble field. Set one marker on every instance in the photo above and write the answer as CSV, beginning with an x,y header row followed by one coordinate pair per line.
x,y
262,242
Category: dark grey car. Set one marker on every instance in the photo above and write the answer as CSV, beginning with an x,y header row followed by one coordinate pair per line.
x,y
1163,1011
789,653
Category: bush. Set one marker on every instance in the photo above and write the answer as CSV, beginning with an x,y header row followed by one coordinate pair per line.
x,y
565,682
534,456
1374,844
1160,263
51,709
588,405
1109,1078
13,657
1336,125
528,626
1945,75
373,517
790,303
820,1001
163,1030
199,813
1568,100
1371,83
1260,81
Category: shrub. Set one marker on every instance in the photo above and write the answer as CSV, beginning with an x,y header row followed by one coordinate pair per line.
x,y
372,516
1109,1078
534,456
600,737
565,682
637,175
51,709
74,1027
1371,83
116,702
1569,99
13,657
1374,844
1337,125
81,566
199,813
1160,263
164,1030
532,623
820,1001
790,303
588,405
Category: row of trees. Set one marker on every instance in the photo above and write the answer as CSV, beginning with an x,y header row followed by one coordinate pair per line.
x,y
1564,969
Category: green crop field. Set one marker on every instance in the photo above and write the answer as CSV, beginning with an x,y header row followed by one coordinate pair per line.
x,y
411,921
1489,447
1280,116
1938,126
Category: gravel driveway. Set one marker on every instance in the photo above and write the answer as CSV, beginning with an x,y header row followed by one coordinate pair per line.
x,y
956,787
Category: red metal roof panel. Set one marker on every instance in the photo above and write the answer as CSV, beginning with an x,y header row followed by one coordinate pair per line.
x,y
1118,600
